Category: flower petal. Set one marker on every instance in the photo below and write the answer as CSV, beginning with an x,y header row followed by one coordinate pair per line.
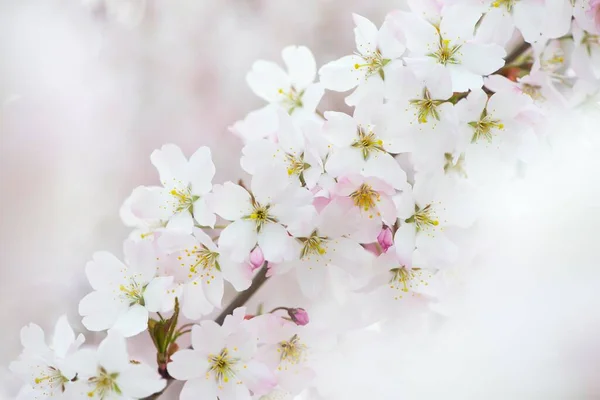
x,y
301,65
188,364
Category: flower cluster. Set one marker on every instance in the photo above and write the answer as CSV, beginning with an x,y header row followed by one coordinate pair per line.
x,y
370,203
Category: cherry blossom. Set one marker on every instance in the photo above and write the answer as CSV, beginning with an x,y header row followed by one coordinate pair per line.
x,y
182,199
123,294
377,50
222,362
108,373
47,369
261,215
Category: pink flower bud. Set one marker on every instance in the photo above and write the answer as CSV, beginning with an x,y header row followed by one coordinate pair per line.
x,y
257,259
298,315
385,239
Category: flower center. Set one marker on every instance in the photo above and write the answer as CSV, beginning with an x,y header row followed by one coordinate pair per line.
x,y
426,107
533,91
423,217
49,379
365,197
374,63
182,199
222,366
104,384
133,292
406,279
291,351
484,128
367,142
201,262
446,53
509,4
589,40
451,166
296,165
313,246
260,215
291,99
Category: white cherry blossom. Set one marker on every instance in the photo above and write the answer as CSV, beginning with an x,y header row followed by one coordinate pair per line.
x,y
46,369
199,269
124,294
260,216
362,144
292,152
222,362
450,44
377,50
182,198
108,373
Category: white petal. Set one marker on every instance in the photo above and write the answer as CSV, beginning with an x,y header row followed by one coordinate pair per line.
x,y
132,322
311,277
289,136
385,167
301,66
213,289
365,35
238,274
239,238
32,339
200,388
230,201
257,377
259,154
140,381
483,59
195,304
171,165
463,79
100,310
182,222
275,243
267,184
208,336
389,41
266,79
155,293
105,271
203,214
404,242
342,75
112,353
63,337
458,23
340,128
188,364
312,97
201,171
141,257
258,124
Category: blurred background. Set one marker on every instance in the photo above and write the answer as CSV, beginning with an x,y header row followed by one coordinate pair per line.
x,y
88,88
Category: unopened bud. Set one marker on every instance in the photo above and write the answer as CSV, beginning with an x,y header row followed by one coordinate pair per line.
x,y
385,239
257,259
298,315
